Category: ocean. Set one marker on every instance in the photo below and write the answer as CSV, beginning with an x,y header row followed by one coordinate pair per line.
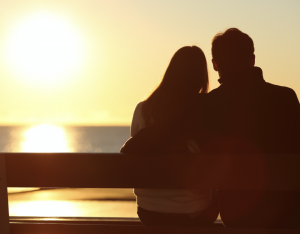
x,y
67,202
56,138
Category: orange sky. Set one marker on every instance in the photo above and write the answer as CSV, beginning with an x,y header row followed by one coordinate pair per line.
x,y
88,62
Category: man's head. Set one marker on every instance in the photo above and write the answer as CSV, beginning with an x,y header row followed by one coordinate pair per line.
x,y
232,49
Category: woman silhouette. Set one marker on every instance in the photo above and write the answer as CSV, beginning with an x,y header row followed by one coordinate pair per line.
x,y
185,77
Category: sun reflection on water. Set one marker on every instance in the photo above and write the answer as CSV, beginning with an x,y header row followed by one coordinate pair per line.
x,y
45,138
75,208
43,208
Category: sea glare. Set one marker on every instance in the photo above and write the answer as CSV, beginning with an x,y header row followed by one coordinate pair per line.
x,y
63,138
80,202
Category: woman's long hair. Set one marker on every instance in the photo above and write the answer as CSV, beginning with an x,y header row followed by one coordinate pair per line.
x,y
185,77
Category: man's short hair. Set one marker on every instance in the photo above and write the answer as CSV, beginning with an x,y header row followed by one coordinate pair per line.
x,y
232,49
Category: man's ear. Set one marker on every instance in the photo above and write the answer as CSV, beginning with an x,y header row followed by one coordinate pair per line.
x,y
252,63
215,65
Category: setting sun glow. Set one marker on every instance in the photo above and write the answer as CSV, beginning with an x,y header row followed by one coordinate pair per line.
x,y
89,62
45,48
45,138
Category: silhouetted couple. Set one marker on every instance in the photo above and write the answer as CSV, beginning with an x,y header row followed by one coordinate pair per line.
x,y
244,115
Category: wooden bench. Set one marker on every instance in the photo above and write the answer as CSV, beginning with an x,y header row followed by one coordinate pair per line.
x,y
95,170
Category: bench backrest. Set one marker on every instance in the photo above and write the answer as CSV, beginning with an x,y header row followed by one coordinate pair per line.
x,y
96,170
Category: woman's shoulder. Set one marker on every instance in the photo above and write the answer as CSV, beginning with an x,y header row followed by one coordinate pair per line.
x,y
139,105
138,108
137,120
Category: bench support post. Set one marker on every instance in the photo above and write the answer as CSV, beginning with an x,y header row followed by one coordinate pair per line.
x,y
4,212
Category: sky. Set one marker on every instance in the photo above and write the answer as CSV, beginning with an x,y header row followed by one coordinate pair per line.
x,y
89,62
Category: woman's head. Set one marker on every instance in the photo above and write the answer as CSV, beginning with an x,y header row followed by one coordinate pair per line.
x,y
187,72
185,77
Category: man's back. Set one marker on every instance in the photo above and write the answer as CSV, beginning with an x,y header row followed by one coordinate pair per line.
x,y
248,115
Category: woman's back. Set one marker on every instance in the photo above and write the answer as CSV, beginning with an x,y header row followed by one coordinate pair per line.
x,y
185,77
169,200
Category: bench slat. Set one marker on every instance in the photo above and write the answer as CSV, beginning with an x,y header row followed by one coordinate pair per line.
x,y
95,170
56,228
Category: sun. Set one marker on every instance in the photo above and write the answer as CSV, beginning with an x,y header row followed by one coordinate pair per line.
x,y
45,48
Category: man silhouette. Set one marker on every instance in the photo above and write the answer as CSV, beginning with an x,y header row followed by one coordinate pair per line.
x,y
244,114
252,116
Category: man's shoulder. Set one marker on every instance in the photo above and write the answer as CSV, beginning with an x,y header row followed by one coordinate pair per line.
x,y
278,87
279,90
199,99
267,88
216,93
